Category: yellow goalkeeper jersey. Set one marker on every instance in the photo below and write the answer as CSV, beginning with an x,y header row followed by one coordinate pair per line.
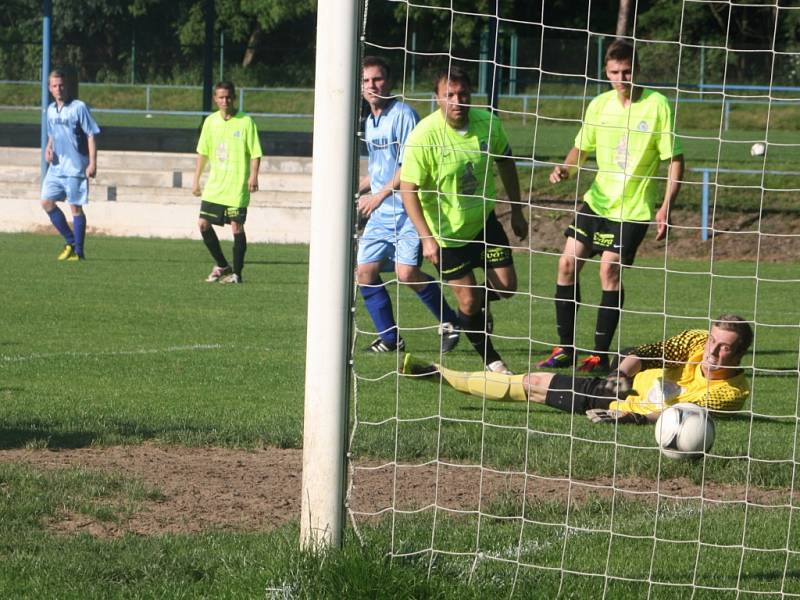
x,y
677,360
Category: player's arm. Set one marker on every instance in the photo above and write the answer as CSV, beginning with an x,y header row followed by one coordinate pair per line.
x,y
48,150
252,182
202,160
91,168
574,159
674,178
410,196
507,169
363,185
369,202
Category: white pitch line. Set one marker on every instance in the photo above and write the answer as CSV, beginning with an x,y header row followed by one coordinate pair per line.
x,y
167,350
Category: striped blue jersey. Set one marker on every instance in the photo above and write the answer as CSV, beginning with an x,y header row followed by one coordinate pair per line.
x,y
385,136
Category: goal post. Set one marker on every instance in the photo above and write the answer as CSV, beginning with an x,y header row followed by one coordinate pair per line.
x,y
330,274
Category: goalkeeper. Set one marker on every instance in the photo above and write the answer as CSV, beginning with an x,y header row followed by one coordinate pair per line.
x,y
697,366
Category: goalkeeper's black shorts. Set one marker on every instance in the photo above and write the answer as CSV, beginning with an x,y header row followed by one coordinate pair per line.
x,y
577,394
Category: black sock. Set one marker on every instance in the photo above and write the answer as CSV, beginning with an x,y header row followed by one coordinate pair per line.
x,y
472,325
607,319
212,243
568,298
239,250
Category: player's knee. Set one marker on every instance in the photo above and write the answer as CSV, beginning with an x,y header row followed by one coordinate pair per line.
x,y
407,274
609,275
48,205
506,289
203,224
566,267
470,305
366,274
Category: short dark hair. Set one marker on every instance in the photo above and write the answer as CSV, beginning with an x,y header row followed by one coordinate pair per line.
x,y
454,74
225,85
377,61
737,324
621,50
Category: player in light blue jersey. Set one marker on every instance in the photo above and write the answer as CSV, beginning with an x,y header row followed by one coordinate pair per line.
x,y
390,239
72,154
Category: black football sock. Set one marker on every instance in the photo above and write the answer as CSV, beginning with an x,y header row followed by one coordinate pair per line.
x,y
472,325
239,250
607,319
568,298
212,243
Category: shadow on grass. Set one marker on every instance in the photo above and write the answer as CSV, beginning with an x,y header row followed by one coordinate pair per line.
x,y
12,438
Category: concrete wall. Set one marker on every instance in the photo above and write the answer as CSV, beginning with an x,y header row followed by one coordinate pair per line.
x,y
148,194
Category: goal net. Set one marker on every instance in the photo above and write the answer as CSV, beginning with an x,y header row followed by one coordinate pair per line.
x,y
531,500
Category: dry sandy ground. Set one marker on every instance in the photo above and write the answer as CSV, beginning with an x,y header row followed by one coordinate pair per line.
x,y
214,488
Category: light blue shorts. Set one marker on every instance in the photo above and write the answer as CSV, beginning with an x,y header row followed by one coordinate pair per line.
x,y
389,241
75,190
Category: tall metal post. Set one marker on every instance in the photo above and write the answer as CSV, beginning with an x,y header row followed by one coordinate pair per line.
x,y
208,56
47,16
330,273
494,29
512,61
221,55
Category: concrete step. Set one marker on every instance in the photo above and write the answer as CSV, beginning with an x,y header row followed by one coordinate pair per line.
x,y
154,161
160,195
272,224
267,181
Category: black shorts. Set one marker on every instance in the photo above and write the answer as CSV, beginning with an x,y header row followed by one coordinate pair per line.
x,y
577,394
219,214
601,235
489,250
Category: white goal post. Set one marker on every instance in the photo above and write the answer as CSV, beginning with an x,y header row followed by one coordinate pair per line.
x,y
330,274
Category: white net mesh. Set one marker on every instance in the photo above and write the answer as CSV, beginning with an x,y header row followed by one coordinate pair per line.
x,y
526,497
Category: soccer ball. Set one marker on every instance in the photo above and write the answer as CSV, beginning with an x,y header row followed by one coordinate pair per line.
x,y
684,430
758,149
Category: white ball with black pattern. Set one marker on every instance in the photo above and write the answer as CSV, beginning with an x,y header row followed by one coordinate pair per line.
x,y
684,430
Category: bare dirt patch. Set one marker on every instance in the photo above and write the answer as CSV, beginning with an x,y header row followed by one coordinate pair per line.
x,y
223,489
746,236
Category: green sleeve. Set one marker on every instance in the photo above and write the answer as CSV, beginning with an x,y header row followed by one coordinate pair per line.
x,y
499,145
586,140
669,144
254,144
204,143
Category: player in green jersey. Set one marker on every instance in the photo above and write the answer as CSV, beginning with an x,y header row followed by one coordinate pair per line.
x,y
229,142
447,185
630,129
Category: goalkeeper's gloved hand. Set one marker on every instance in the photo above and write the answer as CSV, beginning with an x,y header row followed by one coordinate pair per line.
x,y
610,415
618,384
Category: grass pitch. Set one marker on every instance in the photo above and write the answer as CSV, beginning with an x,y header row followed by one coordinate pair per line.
x,y
131,346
